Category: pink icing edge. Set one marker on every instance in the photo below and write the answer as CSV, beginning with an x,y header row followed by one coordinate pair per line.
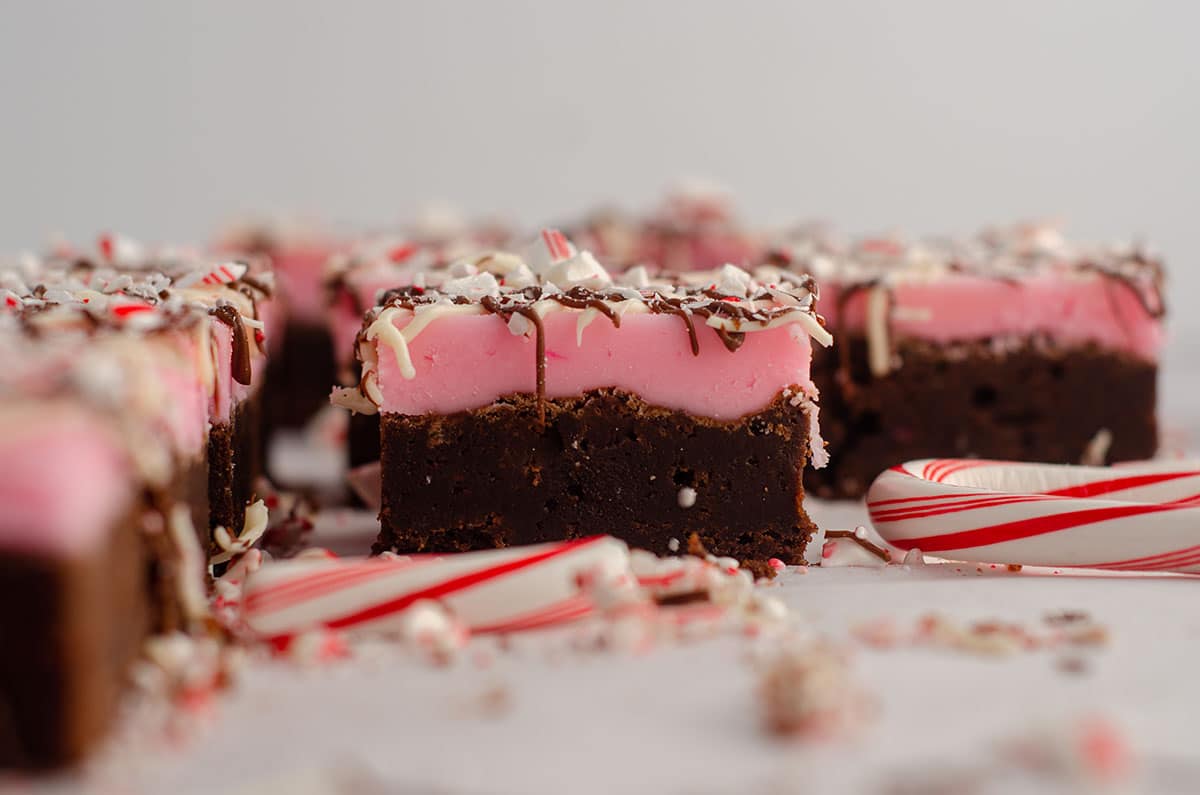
x,y
961,307
464,362
227,392
188,414
360,288
300,271
65,481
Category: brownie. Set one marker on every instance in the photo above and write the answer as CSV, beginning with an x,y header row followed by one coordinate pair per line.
x,y
235,463
299,376
1026,401
363,439
75,624
605,462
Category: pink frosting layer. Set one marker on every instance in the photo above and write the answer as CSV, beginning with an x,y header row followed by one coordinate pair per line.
x,y
228,392
705,252
345,321
465,362
1071,309
63,481
300,271
365,285
186,406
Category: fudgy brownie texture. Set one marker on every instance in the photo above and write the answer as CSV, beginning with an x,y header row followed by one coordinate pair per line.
x,y
299,374
362,442
1032,401
235,462
603,463
70,628
363,439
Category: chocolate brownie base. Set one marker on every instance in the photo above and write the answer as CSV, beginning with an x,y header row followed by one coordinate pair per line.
x,y
363,439
604,463
234,463
299,375
1028,401
71,627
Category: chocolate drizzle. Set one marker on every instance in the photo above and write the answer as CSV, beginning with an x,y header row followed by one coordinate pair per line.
x,y
498,306
732,339
582,298
255,283
686,314
869,546
683,301
530,314
230,316
1152,301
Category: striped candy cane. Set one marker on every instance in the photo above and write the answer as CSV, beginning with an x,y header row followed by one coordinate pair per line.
x,y
557,245
1142,517
502,590
224,273
119,248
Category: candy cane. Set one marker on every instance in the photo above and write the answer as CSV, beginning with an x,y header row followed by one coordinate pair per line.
x,y
489,591
1141,517
118,248
557,244
224,273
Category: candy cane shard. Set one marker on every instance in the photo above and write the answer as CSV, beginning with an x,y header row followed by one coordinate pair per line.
x,y
488,591
557,245
224,273
1143,517
119,249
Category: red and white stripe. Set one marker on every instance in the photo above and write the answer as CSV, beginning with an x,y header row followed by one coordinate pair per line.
x,y
126,311
1140,517
557,245
119,249
502,590
224,273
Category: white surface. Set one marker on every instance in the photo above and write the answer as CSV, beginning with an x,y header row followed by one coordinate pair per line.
x,y
684,719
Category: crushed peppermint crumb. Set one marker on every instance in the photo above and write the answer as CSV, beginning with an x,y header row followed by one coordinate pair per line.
x,y
807,691
985,638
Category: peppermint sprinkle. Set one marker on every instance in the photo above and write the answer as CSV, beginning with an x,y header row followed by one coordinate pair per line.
x,y
557,244
225,273
117,248
128,310
107,246
402,252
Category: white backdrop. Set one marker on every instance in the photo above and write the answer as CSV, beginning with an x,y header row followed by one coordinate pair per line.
x,y
163,119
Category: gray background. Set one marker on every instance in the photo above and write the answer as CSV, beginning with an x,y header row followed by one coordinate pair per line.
x,y
163,119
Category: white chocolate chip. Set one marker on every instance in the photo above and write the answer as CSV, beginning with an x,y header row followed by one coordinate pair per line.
x,y
687,497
